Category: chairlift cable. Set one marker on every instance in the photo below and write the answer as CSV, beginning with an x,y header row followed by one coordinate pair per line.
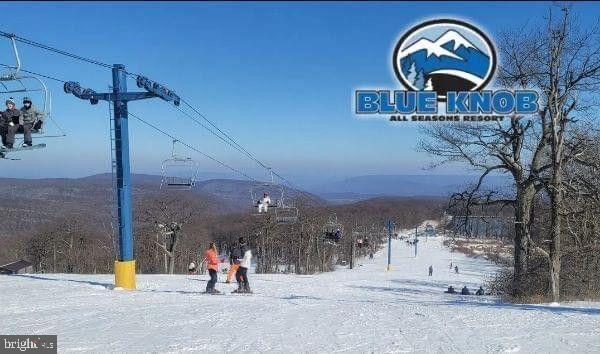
x,y
55,50
106,65
36,74
191,147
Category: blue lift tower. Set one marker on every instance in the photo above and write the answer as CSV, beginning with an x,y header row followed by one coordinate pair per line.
x,y
125,263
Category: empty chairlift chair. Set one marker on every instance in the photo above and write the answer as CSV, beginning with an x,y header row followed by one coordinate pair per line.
x,y
285,214
178,173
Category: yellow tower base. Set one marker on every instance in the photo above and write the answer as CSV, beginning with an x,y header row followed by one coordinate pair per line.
x,y
125,274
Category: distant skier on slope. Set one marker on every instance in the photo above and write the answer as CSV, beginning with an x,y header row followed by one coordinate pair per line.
x,y
242,273
192,269
465,291
456,269
212,263
480,291
430,270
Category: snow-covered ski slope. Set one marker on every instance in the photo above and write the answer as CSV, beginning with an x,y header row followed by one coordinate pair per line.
x,y
363,310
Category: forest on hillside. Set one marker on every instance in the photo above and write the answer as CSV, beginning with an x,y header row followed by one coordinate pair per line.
x,y
84,240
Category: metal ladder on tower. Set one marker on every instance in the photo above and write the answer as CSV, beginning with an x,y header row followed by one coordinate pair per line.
x,y
114,208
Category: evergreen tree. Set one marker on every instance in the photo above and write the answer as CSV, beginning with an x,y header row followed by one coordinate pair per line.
x,y
419,82
412,73
428,85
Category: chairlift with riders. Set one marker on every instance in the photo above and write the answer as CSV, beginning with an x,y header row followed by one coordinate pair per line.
x,y
271,195
333,230
13,83
266,195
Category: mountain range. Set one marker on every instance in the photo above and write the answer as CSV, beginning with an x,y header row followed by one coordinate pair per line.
x,y
365,187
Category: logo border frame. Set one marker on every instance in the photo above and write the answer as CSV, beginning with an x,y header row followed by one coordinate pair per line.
x,y
413,29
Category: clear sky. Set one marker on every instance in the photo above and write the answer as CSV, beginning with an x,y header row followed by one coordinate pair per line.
x,y
279,77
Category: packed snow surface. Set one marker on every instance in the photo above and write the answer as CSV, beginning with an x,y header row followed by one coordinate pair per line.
x,y
364,310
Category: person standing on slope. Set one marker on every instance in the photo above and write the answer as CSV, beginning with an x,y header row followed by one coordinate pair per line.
x,y
430,270
242,273
234,262
212,263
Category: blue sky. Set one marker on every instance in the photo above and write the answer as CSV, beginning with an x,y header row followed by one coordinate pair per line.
x,y
279,77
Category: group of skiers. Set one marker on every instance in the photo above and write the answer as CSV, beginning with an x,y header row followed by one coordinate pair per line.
x,y
465,291
13,120
240,259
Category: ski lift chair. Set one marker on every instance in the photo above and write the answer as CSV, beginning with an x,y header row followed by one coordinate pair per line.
x,y
275,192
257,192
178,173
14,84
286,214
430,231
329,229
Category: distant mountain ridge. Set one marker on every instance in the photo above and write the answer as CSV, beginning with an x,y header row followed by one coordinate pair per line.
x,y
25,203
365,187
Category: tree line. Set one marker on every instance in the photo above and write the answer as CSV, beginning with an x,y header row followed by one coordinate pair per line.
x,y
550,157
173,230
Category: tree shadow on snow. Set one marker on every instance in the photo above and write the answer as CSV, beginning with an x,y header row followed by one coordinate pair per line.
x,y
89,282
183,292
397,290
497,304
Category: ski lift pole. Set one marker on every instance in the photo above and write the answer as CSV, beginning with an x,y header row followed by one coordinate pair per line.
x,y
390,226
125,263
416,240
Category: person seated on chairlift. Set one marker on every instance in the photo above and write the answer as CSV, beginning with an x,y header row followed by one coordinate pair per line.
x,y
9,123
263,203
31,121
333,235
337,235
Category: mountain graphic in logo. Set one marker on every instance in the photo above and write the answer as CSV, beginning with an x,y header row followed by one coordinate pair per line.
x,y
444,55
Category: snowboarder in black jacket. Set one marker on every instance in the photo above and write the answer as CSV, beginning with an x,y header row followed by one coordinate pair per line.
x,y
243,257
9,123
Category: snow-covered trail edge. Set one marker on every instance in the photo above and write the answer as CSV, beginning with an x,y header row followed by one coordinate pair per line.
x,y
363,310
